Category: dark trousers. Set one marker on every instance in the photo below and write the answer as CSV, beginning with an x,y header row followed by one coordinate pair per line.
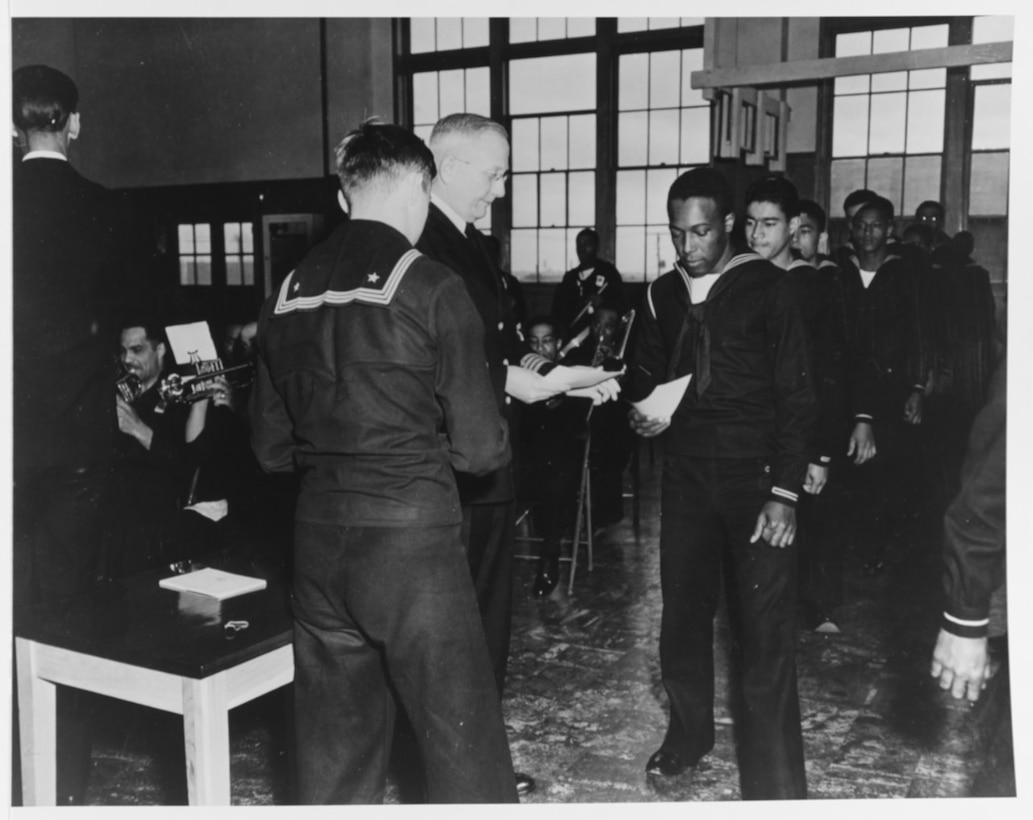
x,y
709,509
488,535
820,545
383,613
885,492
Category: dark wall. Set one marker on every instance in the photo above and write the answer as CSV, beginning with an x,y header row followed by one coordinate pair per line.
x,y
199,101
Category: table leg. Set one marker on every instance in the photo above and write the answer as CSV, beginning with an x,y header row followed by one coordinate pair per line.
x,y
206,730
37,723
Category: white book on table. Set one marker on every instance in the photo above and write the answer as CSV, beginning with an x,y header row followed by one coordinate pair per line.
x,y
215,583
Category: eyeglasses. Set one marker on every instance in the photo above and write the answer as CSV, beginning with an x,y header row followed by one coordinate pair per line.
x,y
493,176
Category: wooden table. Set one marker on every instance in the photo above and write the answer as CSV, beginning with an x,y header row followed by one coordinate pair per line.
x,y
137,642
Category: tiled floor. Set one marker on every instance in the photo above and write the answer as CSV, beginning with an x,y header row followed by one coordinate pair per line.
x,y
586,708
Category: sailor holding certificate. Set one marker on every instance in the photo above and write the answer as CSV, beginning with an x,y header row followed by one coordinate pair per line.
x,y
735,459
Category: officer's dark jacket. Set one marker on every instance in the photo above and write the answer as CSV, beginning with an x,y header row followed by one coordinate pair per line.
x,y
503,344
760,402
371,380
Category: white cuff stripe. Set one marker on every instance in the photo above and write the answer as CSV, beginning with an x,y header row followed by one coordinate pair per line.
x,y
960,622
785,493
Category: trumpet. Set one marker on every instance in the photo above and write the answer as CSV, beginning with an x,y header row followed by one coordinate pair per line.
x,y
179,389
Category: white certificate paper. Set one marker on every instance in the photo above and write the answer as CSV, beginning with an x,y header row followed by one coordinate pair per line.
x,y
664,400
578,376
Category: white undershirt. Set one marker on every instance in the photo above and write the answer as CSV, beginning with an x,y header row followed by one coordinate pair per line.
x,y
44,155
699,286
867,276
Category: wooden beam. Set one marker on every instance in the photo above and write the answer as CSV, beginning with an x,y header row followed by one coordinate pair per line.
x,y
808,71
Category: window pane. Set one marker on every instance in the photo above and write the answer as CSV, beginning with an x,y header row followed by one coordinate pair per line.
x,y
425,97
582,141
855,84
991,120
204,270
988,191
660,253
450,33
658,182
663,22
523,251
921,181
450,87
695,136
231,237
890,81
186,270
850,126
580,26
632,24
631,138
525,145
998,29
421,34
233,270
925,122
885,177
478,91
553,201
203,237
552,254
554,143
663,137
928,78
890,39
544,84
522,29
887,123
692,60
929,36
847,175
664,79
249,270
475,32
634,82
552,28
853,44
631,253
990,71
582,198
248,235
631,197
185,234
525,200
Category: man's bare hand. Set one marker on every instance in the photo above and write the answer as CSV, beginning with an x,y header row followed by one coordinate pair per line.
x,y
647,426
598,393
130,423
862,443
776,524
817,477
961,664
913,408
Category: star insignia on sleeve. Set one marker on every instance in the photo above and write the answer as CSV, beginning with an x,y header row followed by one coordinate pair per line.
x,y
374,278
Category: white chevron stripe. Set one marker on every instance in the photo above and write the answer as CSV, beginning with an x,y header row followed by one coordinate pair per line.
x,y
373,296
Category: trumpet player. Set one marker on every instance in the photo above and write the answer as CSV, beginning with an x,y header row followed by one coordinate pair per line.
x,y
161,449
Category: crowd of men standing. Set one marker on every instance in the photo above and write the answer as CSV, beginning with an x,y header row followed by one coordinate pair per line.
x,y
389,366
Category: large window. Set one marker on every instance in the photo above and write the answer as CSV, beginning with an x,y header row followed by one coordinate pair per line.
x,y
663,127
554,158
887,129
594,143
991,123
